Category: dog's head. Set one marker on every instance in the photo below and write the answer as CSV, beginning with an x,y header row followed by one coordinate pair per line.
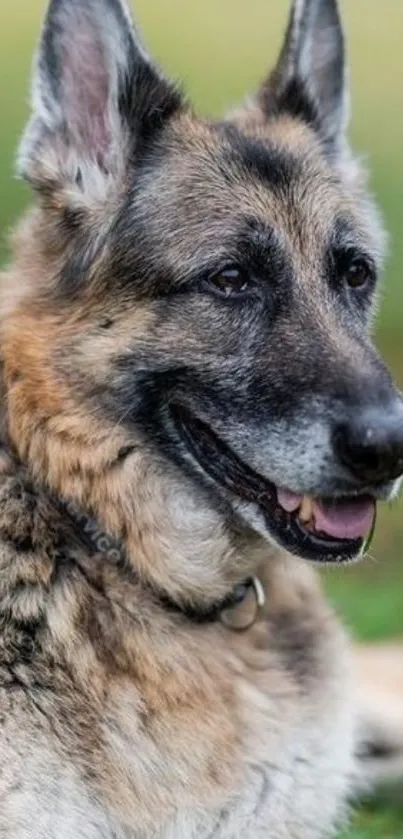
x,y
202,290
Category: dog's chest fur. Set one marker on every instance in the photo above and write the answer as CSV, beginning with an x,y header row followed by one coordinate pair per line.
x,y
121,721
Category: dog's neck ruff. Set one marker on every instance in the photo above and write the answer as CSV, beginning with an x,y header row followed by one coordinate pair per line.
x,y
237,611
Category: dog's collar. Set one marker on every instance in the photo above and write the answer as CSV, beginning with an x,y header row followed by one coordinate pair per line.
x,y
237,611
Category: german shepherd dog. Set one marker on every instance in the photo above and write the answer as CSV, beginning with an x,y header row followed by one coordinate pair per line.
x,y
192,413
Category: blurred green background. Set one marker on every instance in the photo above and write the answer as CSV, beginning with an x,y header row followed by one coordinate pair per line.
x,y
220,49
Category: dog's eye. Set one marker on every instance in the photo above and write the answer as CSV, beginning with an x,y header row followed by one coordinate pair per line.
x,y
230,282
359,273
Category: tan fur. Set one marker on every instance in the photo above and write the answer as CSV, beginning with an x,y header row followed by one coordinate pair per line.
x,y
169,739
120,716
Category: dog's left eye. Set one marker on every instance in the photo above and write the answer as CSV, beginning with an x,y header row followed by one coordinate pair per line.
x,y
359,273
230,282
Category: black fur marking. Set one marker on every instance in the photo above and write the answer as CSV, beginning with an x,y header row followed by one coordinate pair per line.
x,y
24,544
378,750
147,103
293,100
296,638
124,453
261,251
274,167
106,323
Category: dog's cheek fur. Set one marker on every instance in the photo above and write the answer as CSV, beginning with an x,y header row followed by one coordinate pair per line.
x,y
75,445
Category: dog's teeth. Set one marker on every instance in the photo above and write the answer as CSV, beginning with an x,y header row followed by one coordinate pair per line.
x,y
306,509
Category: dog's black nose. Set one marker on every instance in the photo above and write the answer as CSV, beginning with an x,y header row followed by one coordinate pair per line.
x,y
370,444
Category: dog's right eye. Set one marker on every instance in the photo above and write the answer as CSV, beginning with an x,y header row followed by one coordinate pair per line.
x,y
230,282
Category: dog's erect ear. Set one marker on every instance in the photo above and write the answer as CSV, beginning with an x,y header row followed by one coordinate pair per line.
x,y
309,80
96,97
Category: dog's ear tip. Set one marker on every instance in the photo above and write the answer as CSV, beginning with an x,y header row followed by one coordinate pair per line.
x,y
312,61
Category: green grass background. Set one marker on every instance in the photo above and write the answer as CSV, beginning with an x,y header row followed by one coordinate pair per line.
x,y
220,49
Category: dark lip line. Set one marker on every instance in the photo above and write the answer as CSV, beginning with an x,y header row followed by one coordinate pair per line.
x,y
259,485
248,486
232,472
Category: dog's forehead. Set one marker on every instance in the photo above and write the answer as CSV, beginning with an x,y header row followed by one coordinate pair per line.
x,y
210,175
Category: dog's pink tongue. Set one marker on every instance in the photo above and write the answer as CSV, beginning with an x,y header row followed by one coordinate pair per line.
x,y
347,519
343,519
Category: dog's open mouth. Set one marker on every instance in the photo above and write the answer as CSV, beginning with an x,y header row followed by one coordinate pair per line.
x,y
320,529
